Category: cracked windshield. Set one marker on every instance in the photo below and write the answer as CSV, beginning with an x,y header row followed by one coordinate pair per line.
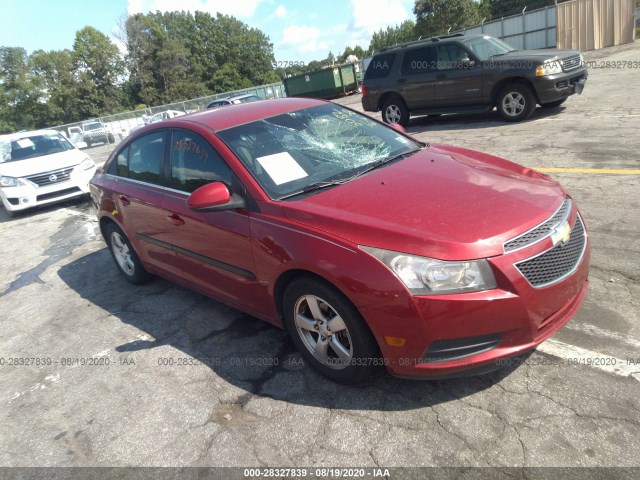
x,y
287,154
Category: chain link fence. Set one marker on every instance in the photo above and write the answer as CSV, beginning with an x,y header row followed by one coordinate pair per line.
x,y
120,124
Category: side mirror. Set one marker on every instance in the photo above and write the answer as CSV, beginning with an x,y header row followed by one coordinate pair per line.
x,y
213,197
398,127
467,63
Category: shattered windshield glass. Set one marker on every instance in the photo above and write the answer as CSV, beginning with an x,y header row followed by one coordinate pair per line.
x,y
327,143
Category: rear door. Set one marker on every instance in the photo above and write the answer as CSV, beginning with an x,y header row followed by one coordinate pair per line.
x,y
417,77
138,193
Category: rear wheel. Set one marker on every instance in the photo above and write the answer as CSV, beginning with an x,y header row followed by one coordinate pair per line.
x,y
329,332
394,111
125,257
516,102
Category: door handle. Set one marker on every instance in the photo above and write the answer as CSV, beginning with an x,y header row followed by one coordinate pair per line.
x,y
175,219
442,76
401,80
125,201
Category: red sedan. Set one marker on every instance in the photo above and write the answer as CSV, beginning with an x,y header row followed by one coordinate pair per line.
x,y
372,249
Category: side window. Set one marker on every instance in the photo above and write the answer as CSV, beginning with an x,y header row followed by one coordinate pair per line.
x,y
380,66
145,156
418,60
195,163
122,164
450,56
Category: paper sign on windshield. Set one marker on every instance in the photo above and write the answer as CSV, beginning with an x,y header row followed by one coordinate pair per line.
x,y
25,143
282,167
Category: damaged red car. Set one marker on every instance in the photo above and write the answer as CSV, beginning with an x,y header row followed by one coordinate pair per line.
x,y
372,249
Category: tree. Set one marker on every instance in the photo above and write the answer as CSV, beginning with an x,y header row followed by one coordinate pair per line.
x,y
18,97
99,72
405,32
53,79
176,55
438,17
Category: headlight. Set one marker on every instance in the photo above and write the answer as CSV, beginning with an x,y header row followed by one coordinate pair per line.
x,y
86,164
581,60
549,68
428,276
10,182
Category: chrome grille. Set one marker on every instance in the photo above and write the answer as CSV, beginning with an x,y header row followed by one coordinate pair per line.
x,y
541,231
571,63
558,262
49,178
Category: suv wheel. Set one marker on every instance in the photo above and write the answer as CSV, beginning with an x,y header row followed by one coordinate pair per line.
x,y
394,111
516,102
111,138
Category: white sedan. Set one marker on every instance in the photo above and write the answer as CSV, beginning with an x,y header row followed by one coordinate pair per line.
x,y
41,167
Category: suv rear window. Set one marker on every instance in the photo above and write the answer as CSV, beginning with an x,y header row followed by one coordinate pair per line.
x,y
380,66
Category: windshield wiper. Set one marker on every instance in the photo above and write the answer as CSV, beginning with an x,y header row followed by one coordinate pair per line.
x,y
331,183
315,186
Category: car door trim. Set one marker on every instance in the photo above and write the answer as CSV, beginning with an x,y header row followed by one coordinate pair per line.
x,y
208,260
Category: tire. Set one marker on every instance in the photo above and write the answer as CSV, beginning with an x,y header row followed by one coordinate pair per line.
x,y
516,102
111,138
394,110
555,104
124,255
317,315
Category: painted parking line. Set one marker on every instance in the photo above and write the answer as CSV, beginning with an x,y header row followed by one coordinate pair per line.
x,y
579,356
603,171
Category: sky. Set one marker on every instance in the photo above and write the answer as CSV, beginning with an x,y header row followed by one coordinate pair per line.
x,y
300,30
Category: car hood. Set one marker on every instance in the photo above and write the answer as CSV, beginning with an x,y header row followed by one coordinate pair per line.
x,y
442,202
46,163
535,55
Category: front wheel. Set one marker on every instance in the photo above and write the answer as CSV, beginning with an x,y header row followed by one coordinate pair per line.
x,y
125,257
111,138
394,111
329,332
516,102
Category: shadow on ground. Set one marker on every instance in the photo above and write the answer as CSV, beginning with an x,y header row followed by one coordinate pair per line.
x,y
241,349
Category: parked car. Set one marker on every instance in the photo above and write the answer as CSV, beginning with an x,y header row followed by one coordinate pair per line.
x,y
372,249
41,167
96,132
158,117
469,74
233,100
75,137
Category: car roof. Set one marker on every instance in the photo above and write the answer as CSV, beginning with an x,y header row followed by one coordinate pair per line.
x,y
239,114
27,133
432,40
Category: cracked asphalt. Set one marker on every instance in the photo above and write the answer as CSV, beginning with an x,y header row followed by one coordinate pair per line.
x,y
156,375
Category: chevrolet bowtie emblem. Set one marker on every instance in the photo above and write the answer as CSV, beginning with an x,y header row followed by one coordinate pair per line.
x,y
561,234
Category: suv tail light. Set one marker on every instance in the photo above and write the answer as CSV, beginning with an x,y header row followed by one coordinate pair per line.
x,y
364,90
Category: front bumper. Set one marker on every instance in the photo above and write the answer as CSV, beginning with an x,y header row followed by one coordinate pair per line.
x,y
465,334
30,195
558,87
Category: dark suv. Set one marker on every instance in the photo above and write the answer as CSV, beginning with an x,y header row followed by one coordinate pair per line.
x,y
466,74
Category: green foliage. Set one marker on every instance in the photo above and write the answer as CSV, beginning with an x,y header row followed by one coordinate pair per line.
x,y
172,56
405,32
176,55
438,17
